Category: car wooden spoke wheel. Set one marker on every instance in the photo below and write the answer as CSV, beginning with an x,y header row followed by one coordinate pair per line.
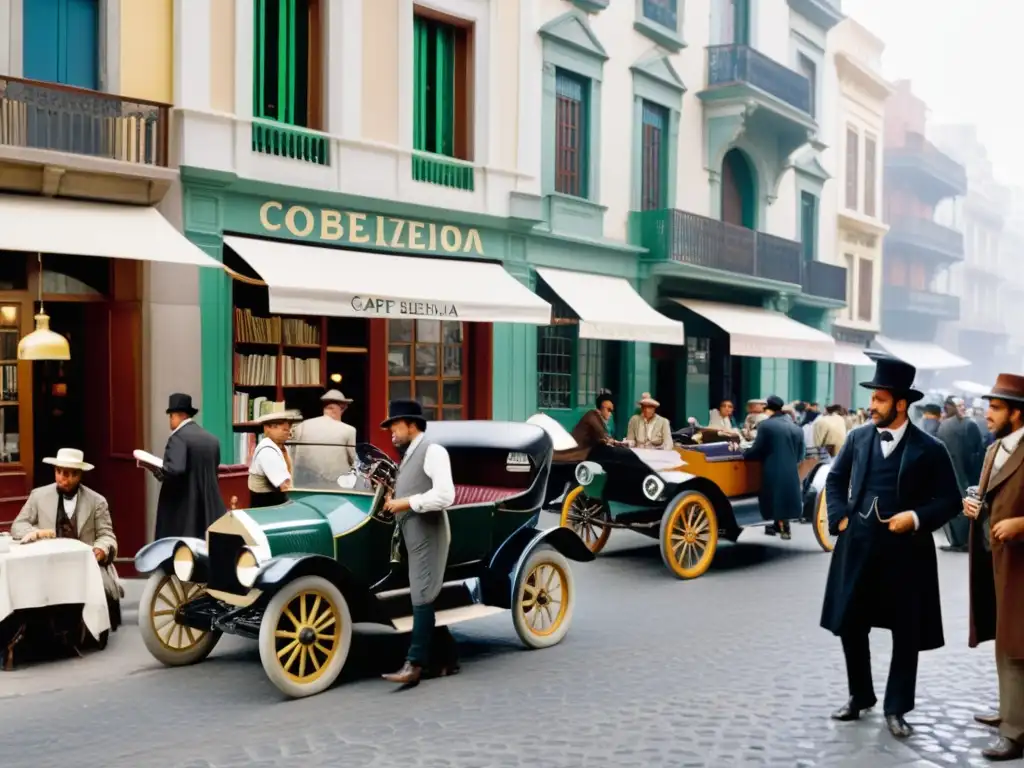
x,y
689,535
583,515
165,637
825,539
543,599
305,635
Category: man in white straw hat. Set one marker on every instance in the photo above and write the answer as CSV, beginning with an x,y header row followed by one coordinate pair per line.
x,y
324,448
647,429
66,509
270,472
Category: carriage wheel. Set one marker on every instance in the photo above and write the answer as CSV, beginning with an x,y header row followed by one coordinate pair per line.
x,y
825,540
169,641
544,598
689,535
594,535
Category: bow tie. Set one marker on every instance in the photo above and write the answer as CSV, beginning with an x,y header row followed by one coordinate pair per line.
x,y
68,496
885,437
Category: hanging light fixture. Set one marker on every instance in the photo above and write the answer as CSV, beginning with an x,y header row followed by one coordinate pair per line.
x,y
42,343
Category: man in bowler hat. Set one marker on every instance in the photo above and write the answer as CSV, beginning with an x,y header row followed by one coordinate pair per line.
x,y
779,444
889,489
190,497
423,491
996,555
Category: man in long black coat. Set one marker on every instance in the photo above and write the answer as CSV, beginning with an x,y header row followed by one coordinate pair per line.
x,y
779,445
889,489
189,497
966,447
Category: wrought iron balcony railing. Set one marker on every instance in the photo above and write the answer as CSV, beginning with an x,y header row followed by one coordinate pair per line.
x,y
731,64
51,116
926,235
900,298
826,280
919,154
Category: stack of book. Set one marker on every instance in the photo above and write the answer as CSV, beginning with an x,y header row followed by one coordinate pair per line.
x,y
298,371
300,332
256,370
250,329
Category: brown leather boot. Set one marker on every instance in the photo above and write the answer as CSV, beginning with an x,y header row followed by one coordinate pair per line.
x,y
409,674
992,721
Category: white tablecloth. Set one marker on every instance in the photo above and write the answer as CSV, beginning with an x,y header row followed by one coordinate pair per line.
x,y
54,572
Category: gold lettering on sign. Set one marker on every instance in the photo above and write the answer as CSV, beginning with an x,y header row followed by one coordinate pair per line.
x,y
473,243
292,215
380,233
451,238
432,245
416,236
356,233
330,225
396,236
265,215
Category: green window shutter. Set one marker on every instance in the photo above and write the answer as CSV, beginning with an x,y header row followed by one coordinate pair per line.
x,y
420,86
808,225
285,61
281,50
445,91
434,87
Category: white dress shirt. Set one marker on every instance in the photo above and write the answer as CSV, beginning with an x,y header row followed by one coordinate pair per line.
x,y
1005,449
438,467
70,505
888,446
269,463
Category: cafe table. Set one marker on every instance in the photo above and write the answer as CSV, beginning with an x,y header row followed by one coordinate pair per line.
x,y
49,573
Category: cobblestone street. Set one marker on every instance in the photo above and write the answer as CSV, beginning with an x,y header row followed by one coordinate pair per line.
x,y
727,670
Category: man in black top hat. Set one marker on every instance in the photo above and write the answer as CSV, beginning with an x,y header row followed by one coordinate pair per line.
x,y
779,445
889,489
190,497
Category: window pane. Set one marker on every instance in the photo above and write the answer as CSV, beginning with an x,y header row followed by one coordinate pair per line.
x,y
570,134
426,392
400,389
400,330
589,370
555,348
426,360
451,414
453,361
398,360
452,332
428,330
430,414
870,152
663,12
453,392
852,168
654,158
867,281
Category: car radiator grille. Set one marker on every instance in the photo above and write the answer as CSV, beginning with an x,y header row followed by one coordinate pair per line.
x,y
224,549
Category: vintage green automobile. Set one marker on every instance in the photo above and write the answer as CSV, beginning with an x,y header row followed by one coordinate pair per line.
x,y
297,576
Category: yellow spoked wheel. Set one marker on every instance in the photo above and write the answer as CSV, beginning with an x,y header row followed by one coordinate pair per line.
x,y
587,514
305,635
689,535
165,637
544,599
825,539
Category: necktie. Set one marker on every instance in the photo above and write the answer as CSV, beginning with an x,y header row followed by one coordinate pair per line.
x,y
885,437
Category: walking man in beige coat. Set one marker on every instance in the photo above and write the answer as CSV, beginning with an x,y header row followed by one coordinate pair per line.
x,y
324,448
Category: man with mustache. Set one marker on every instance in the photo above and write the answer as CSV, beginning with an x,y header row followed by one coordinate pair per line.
x,y
889,489
997,562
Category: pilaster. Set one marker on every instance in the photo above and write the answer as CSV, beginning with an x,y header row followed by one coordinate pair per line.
x,y
514,359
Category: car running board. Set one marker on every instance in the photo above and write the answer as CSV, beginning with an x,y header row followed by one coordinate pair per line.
x,y
451,616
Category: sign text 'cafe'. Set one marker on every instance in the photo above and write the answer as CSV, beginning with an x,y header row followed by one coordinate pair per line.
x,y
353,228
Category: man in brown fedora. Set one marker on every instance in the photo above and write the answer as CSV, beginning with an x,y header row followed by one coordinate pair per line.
x,y
997,562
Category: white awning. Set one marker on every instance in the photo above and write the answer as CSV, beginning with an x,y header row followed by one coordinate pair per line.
x,y
971,387
923,355
609,308
306,280
756,332
80,228
851,354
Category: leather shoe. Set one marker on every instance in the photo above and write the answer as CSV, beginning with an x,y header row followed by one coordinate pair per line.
x,y
898,727
850,711
409,674
992,721
1003,749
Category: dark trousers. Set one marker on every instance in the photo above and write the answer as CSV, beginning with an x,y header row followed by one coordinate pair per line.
x,y
430,646
902,683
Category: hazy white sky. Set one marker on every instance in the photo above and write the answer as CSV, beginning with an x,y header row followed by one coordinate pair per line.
x,y
965,59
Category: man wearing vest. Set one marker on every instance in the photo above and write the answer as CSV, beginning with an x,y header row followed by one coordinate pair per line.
x,y
891,487
423,491
270,471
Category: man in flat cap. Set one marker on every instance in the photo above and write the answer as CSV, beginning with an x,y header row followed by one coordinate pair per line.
x,y
324,448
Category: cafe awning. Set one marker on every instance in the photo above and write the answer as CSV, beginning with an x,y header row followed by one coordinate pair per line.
x,y
851,354
971,387
307,280
923,355
610,309
756,332
81,228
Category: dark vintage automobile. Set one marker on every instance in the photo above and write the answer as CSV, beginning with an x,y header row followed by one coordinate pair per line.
x,y
686,498
296,577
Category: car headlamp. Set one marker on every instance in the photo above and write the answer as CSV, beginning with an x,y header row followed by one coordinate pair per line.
x,y
247,566
653,486
584,475
184,563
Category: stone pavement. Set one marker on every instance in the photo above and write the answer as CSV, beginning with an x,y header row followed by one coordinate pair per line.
x,y
727,670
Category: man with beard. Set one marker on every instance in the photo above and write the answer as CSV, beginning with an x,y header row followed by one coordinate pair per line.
x,y
889,489
424,490
997,562
966,447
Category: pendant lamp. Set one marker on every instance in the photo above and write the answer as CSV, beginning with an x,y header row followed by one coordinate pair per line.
x,y
42,343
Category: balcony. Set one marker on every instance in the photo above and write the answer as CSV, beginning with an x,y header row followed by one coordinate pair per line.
x,y
933,174
743,68
939,306
56,139
925,238
824,14
825,280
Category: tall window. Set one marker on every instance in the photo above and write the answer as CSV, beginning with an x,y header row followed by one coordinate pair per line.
x,y
810,71
570,370
664,12
866,277
590,370
654,173
808,225
571,133
425,363
441,88
851,296
870,175
287,83
852,167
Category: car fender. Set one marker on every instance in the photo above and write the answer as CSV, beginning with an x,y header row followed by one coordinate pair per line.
x,y
158,555
564,540
279,571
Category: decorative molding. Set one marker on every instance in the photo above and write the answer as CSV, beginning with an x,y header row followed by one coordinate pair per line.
x,y
572,29
591,6
657,68
666,37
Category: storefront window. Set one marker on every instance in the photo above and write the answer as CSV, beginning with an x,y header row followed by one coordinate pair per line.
x,y
554,365
590,370
425,363
10,332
